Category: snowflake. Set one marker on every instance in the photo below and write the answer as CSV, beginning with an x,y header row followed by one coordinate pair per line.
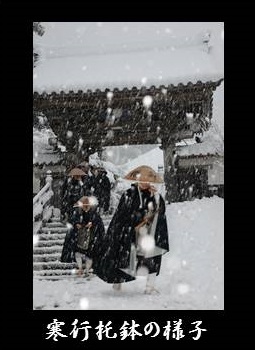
x,y
147,101
84,303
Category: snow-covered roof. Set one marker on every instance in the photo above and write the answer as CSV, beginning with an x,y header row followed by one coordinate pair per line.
x,y
89,55
212,143
43,153
152,158
108,166
161,66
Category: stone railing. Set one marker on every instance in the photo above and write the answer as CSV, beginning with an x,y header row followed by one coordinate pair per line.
x,y
42,209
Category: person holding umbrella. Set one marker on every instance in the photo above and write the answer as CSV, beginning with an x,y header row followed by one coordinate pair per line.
x,y
137,235
87,179
72,190
102,189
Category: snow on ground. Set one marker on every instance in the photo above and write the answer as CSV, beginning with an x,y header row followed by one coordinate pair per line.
x,y
191,278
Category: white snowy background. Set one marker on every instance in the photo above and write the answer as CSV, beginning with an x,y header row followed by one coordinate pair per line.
x,y
192,273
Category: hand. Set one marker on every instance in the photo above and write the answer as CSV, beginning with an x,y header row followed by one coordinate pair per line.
x,y
152,190
78,226
89,224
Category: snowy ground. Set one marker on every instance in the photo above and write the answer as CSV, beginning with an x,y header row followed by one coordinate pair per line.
x,y
191,278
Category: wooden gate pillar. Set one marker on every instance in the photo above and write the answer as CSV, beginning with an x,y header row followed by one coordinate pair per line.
x,y
170,171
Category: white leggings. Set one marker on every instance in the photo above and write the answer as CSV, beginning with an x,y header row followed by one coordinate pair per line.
x,y
78,258
151,280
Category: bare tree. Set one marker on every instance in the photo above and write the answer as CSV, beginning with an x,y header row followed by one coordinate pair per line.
x,y
38,29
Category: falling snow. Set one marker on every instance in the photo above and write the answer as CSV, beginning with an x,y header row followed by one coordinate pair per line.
x,y
168,30
109,95
183,288
84,303
144,80
191,276
69,134
69,226
147,101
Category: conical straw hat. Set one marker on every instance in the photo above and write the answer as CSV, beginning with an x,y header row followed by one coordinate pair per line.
x,y
144,173
85,201
76,171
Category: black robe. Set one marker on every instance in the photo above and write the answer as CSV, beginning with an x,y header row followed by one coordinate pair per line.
x,y
116,245
97,232
72,191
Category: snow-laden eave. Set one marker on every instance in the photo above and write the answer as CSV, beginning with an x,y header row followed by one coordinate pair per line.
x,y
126,70
212,144
41,163
201,155
43,153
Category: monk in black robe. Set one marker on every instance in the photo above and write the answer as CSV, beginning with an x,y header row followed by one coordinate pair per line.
x,y
137,235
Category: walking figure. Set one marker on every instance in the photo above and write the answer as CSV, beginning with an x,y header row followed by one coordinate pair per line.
x,y
84,239
137,235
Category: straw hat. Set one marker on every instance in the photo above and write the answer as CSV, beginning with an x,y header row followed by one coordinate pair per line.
x,y
144,173
76,171
86,201
83,201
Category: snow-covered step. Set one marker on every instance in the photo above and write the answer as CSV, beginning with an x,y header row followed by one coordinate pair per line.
x,y
50,243
49,233
54,224
47,250
56,277
53,265
54,229
56,272
62,277
51,236
46,257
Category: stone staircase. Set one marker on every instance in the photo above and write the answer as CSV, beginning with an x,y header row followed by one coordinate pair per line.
x,y
47,251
